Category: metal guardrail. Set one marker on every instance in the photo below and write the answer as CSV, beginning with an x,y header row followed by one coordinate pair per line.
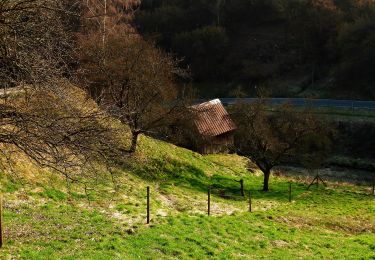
x,y
299,102
336,103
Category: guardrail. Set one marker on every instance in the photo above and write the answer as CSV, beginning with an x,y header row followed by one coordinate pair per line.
x,y
336,103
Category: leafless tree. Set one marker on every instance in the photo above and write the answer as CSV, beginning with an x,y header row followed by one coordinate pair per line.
x,y
136,83
271,138
128,77
105,17
34,46
46,117
59,132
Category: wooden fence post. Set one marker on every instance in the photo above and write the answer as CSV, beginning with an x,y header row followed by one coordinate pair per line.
x,y
290,192
1,222
242,188
250,209
373,186
209,201
148,204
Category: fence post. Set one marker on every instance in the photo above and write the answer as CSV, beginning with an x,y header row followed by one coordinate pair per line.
x,y
1,222
290,192
148,204
250,209
373,186
209,201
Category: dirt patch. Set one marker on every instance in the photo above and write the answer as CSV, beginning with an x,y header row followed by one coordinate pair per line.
x,y
223,209
349,225
167,200
280,243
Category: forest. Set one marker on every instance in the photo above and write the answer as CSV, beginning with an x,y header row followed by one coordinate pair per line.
x,y
295,48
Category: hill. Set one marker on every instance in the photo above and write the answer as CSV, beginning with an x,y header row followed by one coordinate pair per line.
x,y
47,217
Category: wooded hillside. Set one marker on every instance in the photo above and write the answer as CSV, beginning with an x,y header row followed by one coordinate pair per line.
x,y
313,48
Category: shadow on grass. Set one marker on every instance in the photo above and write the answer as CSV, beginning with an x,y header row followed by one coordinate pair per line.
x,y
174,173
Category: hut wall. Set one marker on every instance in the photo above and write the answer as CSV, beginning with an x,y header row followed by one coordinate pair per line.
x,y
217,144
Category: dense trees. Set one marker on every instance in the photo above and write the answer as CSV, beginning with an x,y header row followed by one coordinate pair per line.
x,y
252,42
204,48
356,43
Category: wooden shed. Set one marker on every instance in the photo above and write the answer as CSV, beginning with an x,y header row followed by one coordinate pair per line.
x,y
214,127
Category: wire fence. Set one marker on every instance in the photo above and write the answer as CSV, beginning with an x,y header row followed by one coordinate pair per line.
x,y
219,192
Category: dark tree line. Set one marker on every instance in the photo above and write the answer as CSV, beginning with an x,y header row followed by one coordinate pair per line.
x,y
309,43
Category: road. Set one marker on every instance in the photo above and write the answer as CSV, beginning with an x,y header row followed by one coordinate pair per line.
x,y
335,103
355,104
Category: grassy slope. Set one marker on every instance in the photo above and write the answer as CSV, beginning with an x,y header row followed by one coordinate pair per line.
x,y
44,221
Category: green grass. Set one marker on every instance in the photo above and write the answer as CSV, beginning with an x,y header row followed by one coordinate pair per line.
x,y
347,114
337,113
47,221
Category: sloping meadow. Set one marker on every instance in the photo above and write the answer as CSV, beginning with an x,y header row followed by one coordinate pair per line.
x,y
47,216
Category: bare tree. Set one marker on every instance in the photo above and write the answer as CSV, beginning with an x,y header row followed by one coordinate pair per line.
x,y
136,84
47,118
107,16
271,138
59,132
126,75
34,46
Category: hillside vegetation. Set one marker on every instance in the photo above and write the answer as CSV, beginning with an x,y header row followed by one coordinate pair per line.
x,y
305,48
86,89
47,217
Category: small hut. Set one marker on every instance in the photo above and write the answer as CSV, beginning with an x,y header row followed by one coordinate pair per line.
x,y
214,127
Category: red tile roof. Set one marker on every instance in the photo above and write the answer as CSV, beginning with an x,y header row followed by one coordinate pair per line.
x,y
212,119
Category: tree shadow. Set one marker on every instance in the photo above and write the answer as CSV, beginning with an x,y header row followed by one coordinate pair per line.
x,y
172,173
185,175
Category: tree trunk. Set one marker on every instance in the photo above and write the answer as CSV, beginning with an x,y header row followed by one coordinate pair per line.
x,y
267,174
133,147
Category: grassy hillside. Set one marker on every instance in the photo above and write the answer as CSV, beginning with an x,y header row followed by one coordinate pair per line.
x,y
47,218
